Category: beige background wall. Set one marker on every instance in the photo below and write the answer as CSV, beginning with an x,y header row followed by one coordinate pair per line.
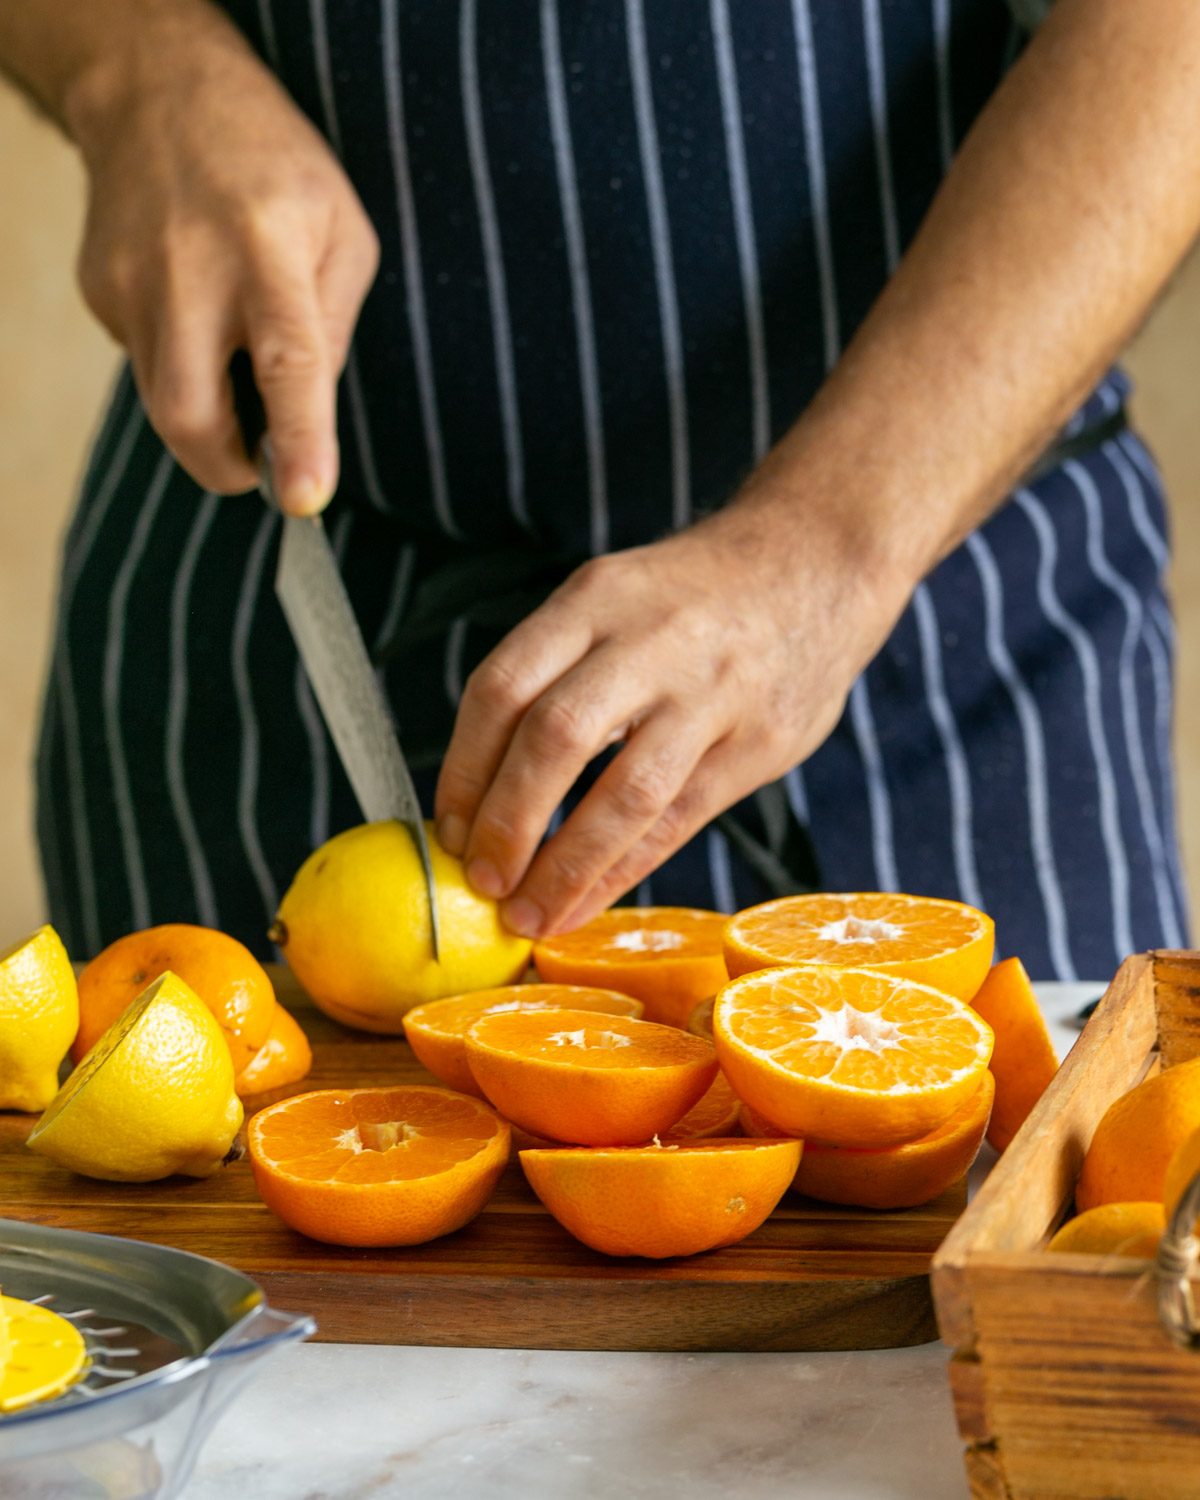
x,y
55,365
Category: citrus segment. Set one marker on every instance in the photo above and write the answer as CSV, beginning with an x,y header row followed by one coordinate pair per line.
x,y
283,1059
436,1032
222,971
592,1080
39,1011
889,1176
669,957
714,1114
354,926
1136,1138
45,1354
1023,1060
153,1097
1132,1229
663,1200
390,1166
944,944
849,1056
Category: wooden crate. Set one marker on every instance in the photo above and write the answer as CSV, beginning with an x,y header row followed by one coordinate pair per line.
x,y
1065,1383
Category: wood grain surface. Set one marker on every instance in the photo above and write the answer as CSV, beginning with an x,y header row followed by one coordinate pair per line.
x,y
813,1277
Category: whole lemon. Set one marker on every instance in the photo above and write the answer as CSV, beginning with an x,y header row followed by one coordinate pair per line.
x,y
39,1015
153,1097
354,926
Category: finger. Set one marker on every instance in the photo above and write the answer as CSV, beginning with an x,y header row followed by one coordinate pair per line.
x,y
187,391
718,781
529,660
625,803
297,381
343,281
556,737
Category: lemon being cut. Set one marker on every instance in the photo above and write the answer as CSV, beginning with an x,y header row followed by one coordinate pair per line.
x,y
41,1354
153,1097
354,927
39,1014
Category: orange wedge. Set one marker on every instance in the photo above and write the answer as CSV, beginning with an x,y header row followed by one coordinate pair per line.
x,y
669,957
943,944
283,1059
889,1176
436,1031
592,1080
663,1200
716,1113
395,1166
849,1056
1024,1060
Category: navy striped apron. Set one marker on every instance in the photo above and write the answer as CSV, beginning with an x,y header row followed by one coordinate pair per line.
x,y
622,245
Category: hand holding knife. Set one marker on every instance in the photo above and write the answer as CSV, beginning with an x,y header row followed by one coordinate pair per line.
x,y
327,636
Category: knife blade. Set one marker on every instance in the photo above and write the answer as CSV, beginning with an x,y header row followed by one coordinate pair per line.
x,y
309,586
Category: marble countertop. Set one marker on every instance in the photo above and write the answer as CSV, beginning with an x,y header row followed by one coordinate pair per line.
x,y
369,1422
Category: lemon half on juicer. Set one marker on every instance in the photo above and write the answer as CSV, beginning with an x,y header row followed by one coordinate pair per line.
x,y
41,1354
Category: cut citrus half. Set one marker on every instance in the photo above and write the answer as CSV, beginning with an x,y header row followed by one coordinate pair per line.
x,y
1024,1060
1126,1229
849,1056
940,943
669,957
715,1114
39,1012
283,1059
663,1200
43,1353
889,1176
436,1031
592,1080
393,1166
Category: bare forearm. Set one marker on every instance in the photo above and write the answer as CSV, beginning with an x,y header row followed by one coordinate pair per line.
x,y
1073,199
78,58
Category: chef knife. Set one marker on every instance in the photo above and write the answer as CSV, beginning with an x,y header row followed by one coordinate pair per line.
x,y
323,625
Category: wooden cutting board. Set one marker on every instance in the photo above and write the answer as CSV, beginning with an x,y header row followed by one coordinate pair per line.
x,y
813,1277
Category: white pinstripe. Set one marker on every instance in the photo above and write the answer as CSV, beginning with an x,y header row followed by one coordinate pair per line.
x,y
941,53
814,151
114,650
358,409
270,39
720,873
1141,458
876,77
243,624
664,266
493,264
73,566
47,818
397,598
1089,666
581,296
1033,738
743,225
410,248
883,846
1134,487
797,794
452,675
177,702
957,769
645,894
1161,671
1134,616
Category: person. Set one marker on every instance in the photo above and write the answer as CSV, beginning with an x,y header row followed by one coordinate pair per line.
x,y
732,478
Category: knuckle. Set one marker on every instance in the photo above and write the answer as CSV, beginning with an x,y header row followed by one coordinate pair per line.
x,y
641,791
560,725
286,355
495,685
570,870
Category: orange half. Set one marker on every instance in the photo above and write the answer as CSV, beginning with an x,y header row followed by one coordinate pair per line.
x,y
391,1166
592,1080
944,944
669,957
663,1200
436,1031
849,1056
